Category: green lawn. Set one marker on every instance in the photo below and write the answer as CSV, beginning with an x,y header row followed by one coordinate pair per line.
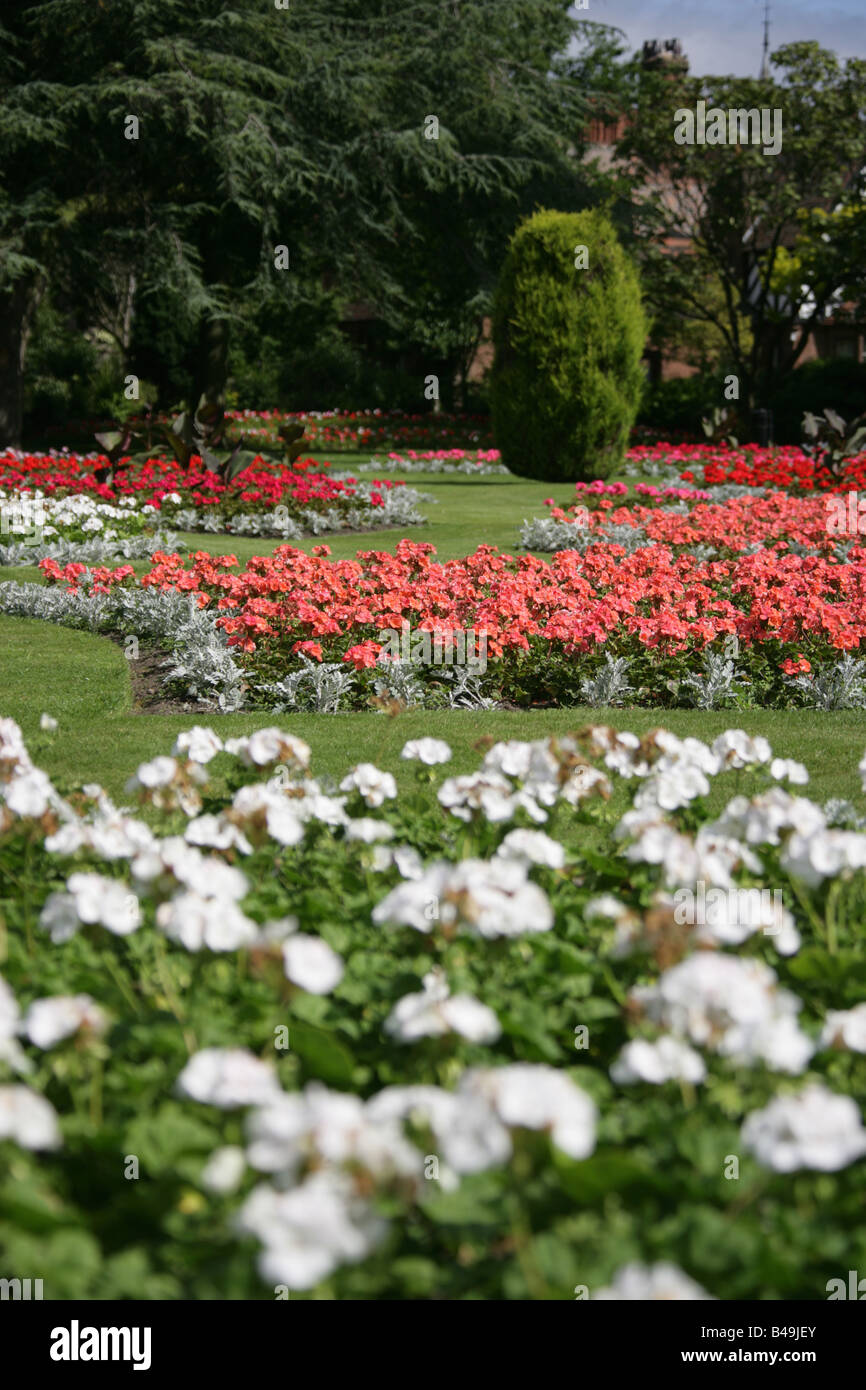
x,y
84,680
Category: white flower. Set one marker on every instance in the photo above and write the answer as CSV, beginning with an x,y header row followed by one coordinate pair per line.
x,y
29,793
106,901
200,745
845,1028
485,792
174,859
374,786
48,1021
785,769
216,832
196,922
427,750
668,1059
308,1232
281,815
434,1012
331,1127
861,768
469,1135
636,1283
270,745
368,830
311,963
735,749
159,772
537,1097
824,854
815,1129
28,1119
228,1077
733,1006
224,1169
59,917
47,723
488,898
532,847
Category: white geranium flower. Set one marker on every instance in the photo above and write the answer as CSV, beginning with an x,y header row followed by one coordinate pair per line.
x,y
159,772
668,1059
28,794
373,785
468,1134
735,749
47,723
532,847
59,917
197,922
730,1005
786,770
308,1232
435,1012
537,1097
174,859
637,1283
216,832
427,750
311,963
824,854
368,830
815,1129
270,745
845,1028
48,1021
488,898
484,793
265,802
224,1169
199,744
332,1127
28,1119
228,1077
106,901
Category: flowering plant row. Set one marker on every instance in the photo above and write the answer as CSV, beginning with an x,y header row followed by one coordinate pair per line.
x,y
550,630
785,468
289,500
354,431
519,1033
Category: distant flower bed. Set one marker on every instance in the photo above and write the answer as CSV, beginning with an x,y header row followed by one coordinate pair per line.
x,y
602,625
782,468
355,431
263,499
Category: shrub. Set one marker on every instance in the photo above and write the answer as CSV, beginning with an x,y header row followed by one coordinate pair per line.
x,y
837,382
679,404
566,380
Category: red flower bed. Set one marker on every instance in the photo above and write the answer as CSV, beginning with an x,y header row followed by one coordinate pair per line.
x,y
786,468
655,598
262,484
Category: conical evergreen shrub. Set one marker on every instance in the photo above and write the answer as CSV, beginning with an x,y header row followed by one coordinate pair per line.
x,y
569,331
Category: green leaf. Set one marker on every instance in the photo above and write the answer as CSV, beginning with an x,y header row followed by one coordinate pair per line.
x,y
323,1055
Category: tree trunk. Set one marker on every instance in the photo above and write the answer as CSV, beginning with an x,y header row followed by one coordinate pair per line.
x,y
212,367
13,315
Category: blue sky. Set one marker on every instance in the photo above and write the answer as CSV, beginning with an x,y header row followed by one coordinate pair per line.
x,y
725,36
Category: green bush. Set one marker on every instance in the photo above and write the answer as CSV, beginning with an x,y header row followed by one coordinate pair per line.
x,y
680,403
566,380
